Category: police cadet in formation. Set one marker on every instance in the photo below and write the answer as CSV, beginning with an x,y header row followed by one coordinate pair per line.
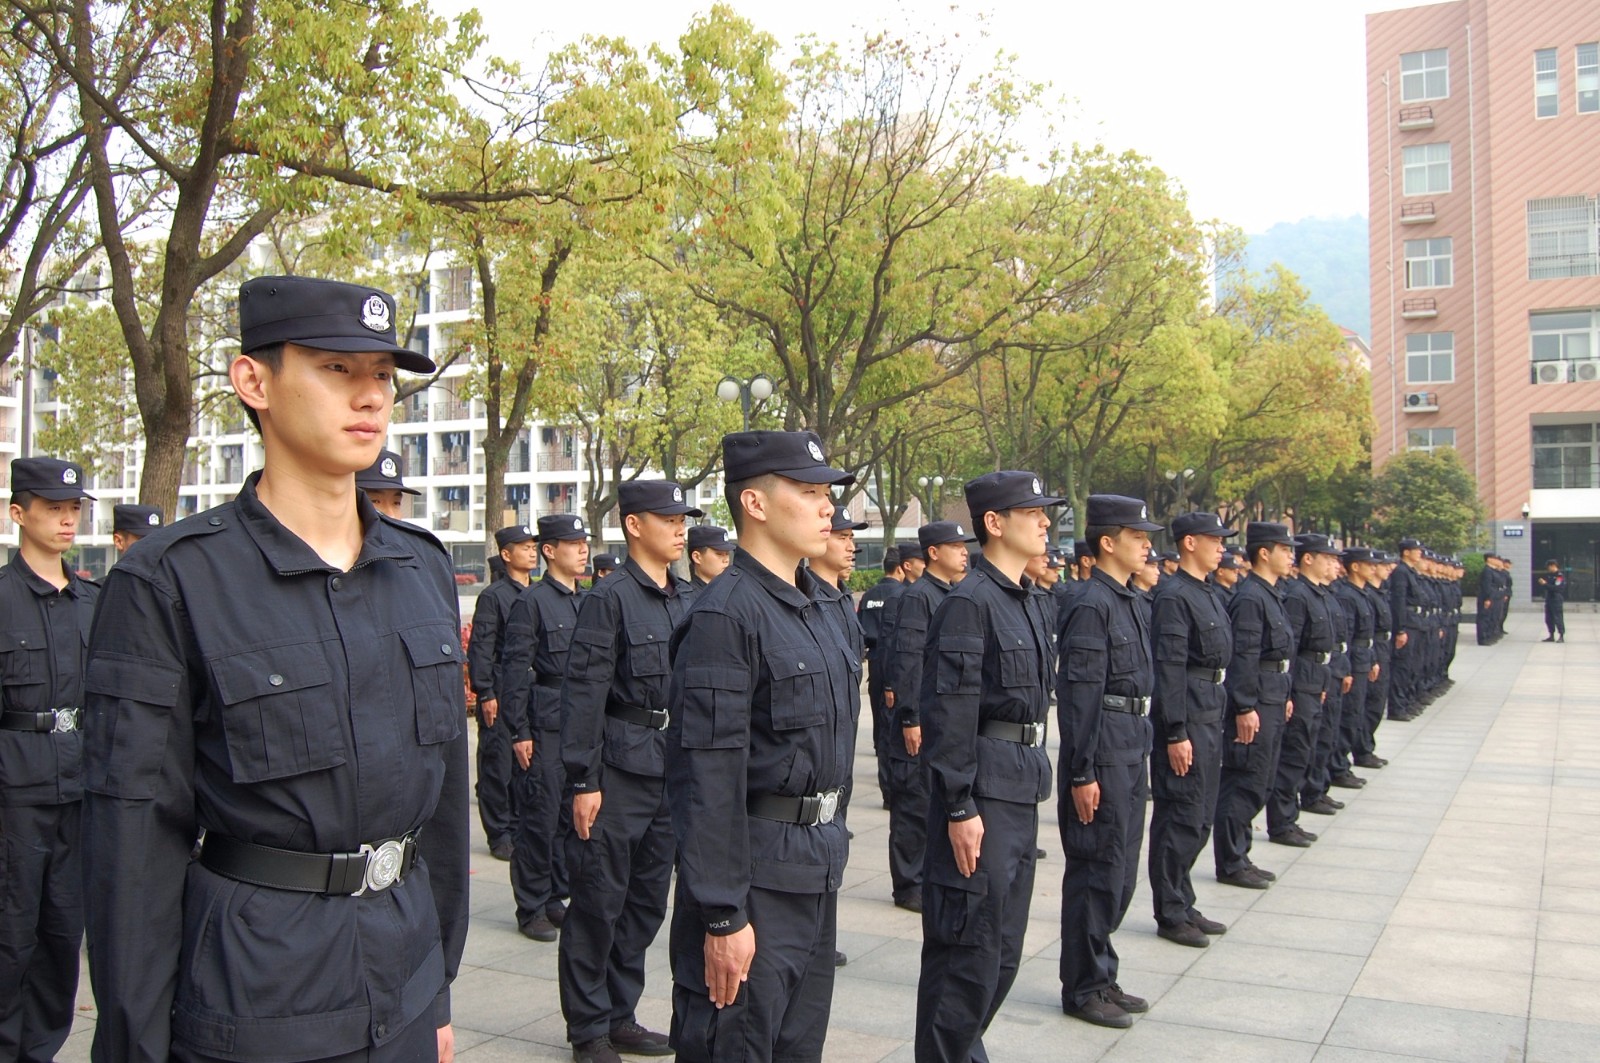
x,y
1552,585
710,553
1192,641
944,545
1147,577
47,609
613,746
832,571
1410,635
384,484
1368,577
913,563
537,641
604,565
130,523
1310,608
870,611
1360,627
1229,571
1044,572
985,703
497,809
282,676
1500,600
1315,796
759,752
1103,696
1258,686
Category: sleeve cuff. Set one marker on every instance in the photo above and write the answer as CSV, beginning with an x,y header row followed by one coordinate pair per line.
x,y
1176,734
441,1008
961,810
910,719
589,784
728,921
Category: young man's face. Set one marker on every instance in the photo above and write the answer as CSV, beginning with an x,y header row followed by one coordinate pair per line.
x,y
1026,531
840,556
1227,577
1037,569
328,410
1280,560
1130,550
521,557
1206,549
386,500
656,537
566,558
948,561
709,564
1147,575
913,568
47,525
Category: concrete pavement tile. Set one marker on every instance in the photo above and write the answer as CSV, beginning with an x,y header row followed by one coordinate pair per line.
x,y
1566,959
1332,853
1398,978
1033,1031
1430,1032
1151,1038
854,1046
888,1009
1568,1000
1571,899
1580,876
511,1050
1553,1041
1428,949
466,1038
1344,936
1357,835
1336,1054
1139,947
498,1002
1479,918
1287,898
1569,926
1520,892
893,960
1265,1011
1275,965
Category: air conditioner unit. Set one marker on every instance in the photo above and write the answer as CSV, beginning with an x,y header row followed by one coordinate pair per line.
x,y
1421,401
1587,372
1551,372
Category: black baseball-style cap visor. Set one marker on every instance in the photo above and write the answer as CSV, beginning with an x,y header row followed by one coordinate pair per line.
x,y
56,494
676,509
570,536
1306,548
404,357
1272,540
816,474
385,485
1141,525
1041,501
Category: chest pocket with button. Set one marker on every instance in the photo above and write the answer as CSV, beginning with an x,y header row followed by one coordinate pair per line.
x,y
799,687
1019,663
1216,642
437,684
1127,655
278,712
647,649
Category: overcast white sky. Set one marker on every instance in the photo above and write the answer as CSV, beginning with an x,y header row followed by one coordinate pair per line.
x,y
1257,106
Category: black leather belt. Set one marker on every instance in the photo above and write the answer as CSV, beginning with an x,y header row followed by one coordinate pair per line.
x,y
1274,666
371,869
1210,675
1319,657
1382,636
542,685
1118,703
58,720
1363,644
655,719
1024,734
809,811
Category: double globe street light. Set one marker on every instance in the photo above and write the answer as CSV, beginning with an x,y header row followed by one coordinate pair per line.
x,y
748,392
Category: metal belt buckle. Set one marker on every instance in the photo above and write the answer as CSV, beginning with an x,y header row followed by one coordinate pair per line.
x,y
1324,658
1035,733
1222,675
827,806
383,865
666,718
1141,706
66,720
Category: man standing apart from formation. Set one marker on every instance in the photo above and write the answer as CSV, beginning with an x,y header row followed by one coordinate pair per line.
x,y
985,707
1193,643
1552,583
613,746
283,674
759,752
1103,698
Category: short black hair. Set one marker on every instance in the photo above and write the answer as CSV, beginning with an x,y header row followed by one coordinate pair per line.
x,y
1301,551
1254,550
732,492
980,530
1096,531
270,356
25,499
891,561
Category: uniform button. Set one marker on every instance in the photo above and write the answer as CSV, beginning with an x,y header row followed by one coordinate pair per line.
x,y
446,649
382,1030
802,666
275,680
337,583
215,522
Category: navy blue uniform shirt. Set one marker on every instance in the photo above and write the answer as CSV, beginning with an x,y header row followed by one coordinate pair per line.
x,y
908,641
1310,609
1105,651
534,656
485,649
1189,630
1261,636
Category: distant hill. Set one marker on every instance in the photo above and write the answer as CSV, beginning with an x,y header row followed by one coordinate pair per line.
x,y
1329,255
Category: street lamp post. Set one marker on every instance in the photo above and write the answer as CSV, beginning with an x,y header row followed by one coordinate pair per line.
x,y
937,483
1179,481
748,392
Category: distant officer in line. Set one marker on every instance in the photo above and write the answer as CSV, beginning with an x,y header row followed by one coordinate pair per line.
x,y
1315,790
485,654
1148,576
1230,570
130,523
913,562
604,565
1258,701
46,610
613,746
384,484
710,553
760,748
1552,583
944,544
1103,696
1365,750
985,700
537,642
1361,624
1410,637
1310,610
873,608
282,674
1491,585
1193,644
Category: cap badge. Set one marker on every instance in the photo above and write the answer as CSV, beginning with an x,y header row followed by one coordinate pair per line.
x,y
154,519
677,494
389,468
1038,488
69,476
526,530
1144,514
577,524
375,313
816,451
960,530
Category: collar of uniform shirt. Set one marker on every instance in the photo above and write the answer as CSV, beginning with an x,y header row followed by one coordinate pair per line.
x,y
1100,574
557,584
1003,581
287,553
631,567
42,587
780,589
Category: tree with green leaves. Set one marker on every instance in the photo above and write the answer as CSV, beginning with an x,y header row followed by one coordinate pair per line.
x,y
1428,495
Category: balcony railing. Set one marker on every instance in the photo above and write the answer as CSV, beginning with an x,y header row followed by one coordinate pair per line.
x,y
452,410
553,461
1419,116
453,466
1418,308
1417,213
1566,477
1552,267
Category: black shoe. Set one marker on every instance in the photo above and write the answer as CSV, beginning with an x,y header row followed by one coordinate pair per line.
x,y
540,929
1548,638
1101,1011
839,958
1184,934
1294,838
1263,872
597,1051
1347,781
1370,760
557,914
912,902
1039,854
1338,806
1127,1001
1244,878
1322,806
1402,717
1561,637
635,1040
502,851
1208,927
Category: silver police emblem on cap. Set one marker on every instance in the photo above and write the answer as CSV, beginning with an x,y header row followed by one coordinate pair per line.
x,y
154,519
375,313
389,468
69,476
577,524
1038,488
526,530
960,530
816,451
1143,514
677,494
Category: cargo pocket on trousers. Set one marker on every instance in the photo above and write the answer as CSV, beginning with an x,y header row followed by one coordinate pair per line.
x,y
957,910
1096,840
1236,756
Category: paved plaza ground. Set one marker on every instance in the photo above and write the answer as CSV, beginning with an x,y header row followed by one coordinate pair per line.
x,y
1451,912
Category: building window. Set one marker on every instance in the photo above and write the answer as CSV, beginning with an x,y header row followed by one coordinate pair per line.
x,y
1562,238
1569,335
1430,438
1428,263
454,286
1425,75
1589,78
1426,168
1546,84
1431,358
1563,456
